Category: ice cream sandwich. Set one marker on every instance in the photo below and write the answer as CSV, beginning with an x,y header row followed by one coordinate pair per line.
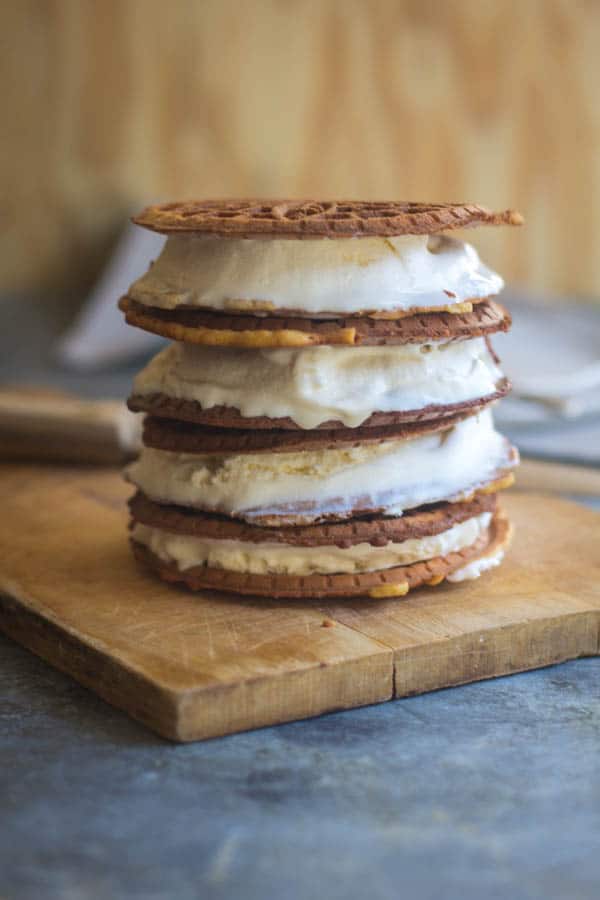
x,y
321,425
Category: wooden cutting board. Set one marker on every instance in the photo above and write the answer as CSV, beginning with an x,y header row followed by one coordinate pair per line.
x,y
197,666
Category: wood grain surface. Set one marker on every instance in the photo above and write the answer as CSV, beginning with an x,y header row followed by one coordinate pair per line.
x,y
111,105
197,666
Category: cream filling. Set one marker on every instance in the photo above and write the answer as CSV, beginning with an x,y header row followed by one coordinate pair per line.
x,y
186,551
475,568
347,275
390,476
313,385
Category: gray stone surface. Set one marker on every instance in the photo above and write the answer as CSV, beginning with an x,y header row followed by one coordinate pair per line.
x,y
489,790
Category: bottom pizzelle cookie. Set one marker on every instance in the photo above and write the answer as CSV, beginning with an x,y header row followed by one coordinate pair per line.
x,y
394,582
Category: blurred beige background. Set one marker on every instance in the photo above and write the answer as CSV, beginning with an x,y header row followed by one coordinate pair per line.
x,y
110,104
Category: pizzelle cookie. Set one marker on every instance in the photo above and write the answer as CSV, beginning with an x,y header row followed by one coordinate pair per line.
x,y
474,319
375,530
219,417
320,425
181,437
315,218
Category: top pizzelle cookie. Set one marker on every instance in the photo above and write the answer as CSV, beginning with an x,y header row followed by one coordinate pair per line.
x,y
317,218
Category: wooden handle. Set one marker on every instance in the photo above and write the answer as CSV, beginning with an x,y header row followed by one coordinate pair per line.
x,y
45,425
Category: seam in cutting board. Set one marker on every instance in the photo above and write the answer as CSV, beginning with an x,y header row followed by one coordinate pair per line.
x,y
99,645
375,641
449,639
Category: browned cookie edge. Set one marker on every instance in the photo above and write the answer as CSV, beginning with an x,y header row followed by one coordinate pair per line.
x,y
237,330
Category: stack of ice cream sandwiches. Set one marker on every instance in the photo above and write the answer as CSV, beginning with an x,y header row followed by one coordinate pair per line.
x,y
321,423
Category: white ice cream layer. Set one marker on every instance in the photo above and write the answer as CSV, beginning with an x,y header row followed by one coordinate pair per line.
x,y
476,567
391,476
313,385
187,551
322,276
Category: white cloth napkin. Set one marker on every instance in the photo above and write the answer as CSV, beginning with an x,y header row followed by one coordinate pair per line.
x,y
98,336
552,355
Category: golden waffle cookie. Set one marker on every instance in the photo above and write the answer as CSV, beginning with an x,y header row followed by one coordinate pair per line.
x,y
317,218
383,583
218,329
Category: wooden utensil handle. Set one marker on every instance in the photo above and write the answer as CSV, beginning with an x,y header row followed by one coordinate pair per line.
x,y
43,425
